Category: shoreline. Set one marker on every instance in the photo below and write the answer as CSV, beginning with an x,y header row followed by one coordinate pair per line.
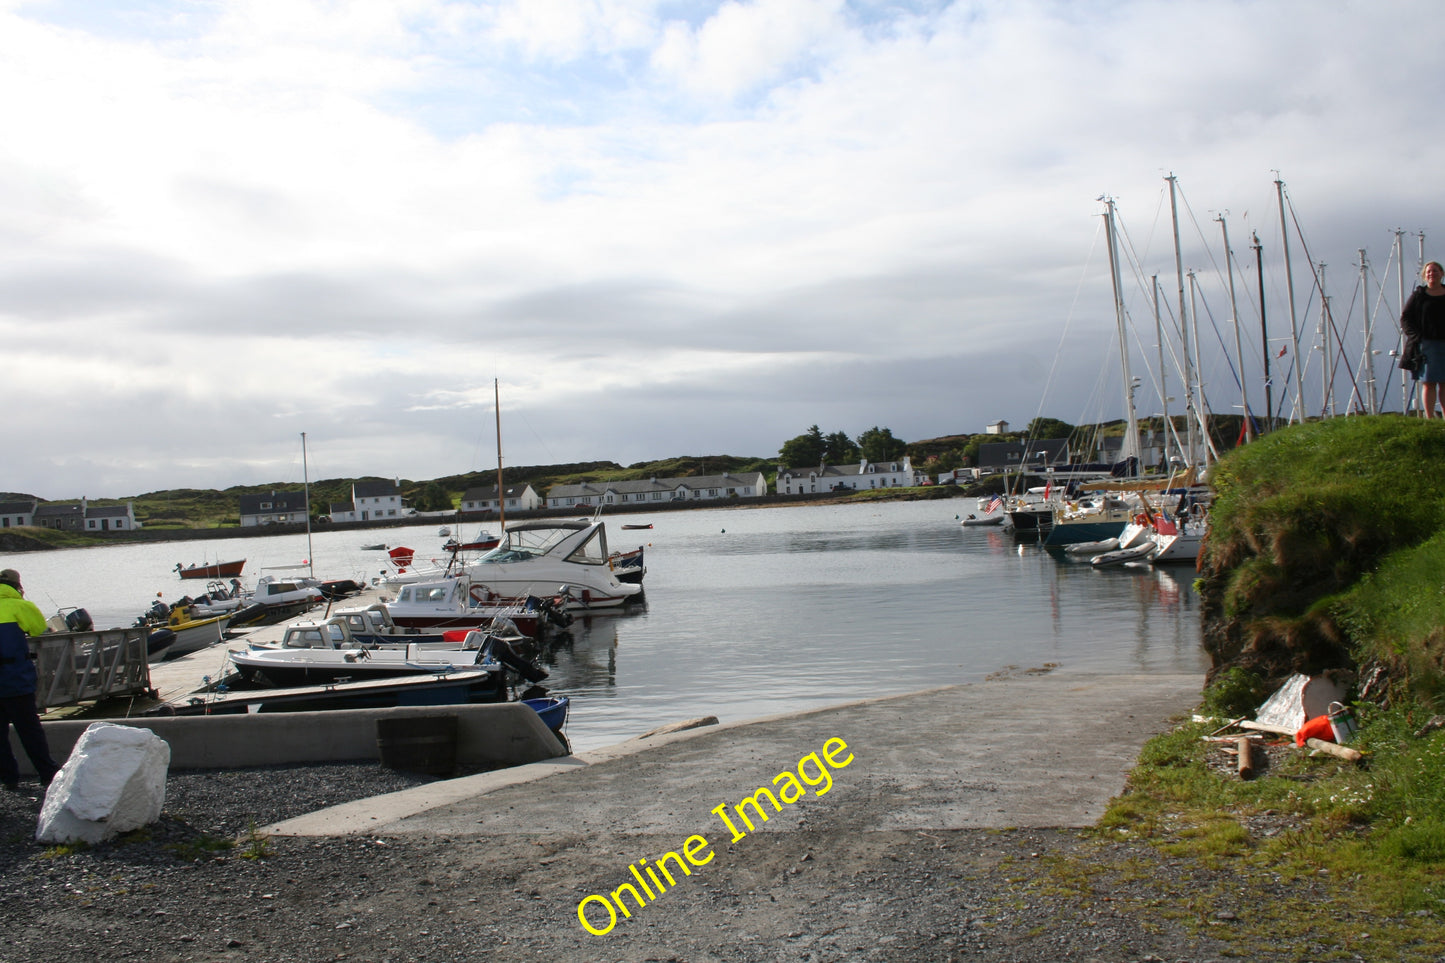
x,y
904,855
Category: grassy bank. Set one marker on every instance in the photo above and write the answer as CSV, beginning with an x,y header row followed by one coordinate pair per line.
x,y
1325,554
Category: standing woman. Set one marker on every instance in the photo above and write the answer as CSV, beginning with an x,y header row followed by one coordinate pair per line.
x,y
1423,323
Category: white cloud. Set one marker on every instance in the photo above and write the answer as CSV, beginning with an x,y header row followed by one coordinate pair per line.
x,y
754,205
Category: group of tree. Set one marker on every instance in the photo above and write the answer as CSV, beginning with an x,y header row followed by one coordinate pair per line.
x,y
879,445
813,447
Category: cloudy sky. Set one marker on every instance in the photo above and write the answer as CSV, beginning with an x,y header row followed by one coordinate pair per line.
x,y
666,227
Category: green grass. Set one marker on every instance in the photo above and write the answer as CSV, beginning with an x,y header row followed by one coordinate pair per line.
x,y
1368,839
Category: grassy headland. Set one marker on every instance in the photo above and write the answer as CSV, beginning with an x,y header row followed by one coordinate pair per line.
x,y
1325,554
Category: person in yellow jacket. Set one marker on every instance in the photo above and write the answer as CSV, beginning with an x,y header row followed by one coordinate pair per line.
x,y
19,620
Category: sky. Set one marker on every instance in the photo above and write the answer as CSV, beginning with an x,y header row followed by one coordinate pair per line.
x,y
664,227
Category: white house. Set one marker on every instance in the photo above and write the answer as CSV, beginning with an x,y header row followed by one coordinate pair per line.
x,y
370,501
658,491
860,477
518,498
17,514
273,508
83,517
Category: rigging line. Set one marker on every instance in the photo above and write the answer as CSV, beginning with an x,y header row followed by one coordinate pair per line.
x,y
1137,268
1199,231
1068,323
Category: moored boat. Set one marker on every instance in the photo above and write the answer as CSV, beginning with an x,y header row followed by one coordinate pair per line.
x,y
318,665
536,557
211,570
459,602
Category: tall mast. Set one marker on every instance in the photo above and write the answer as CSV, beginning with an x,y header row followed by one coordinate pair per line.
x,y
1370,406
1201,407
1400,268
1327,375
1263,334
501,496
1293,317
1189,413
1130,448
1166,429
306,487
1238,339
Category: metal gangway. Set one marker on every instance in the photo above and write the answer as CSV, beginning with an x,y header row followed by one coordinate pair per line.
x,y
76,667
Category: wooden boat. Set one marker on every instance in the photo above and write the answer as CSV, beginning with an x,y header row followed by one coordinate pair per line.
x,y
213,570
628,566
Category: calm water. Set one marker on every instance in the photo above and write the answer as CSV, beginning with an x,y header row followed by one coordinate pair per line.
x,y
755,611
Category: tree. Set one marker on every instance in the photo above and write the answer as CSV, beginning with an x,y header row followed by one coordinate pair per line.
x,y
432,498
1049,428
878,445
805,450
839,449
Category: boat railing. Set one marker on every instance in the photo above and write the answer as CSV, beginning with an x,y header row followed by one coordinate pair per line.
x,y
75,667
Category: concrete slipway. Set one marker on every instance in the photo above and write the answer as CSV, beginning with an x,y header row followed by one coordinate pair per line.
x,y
1033,749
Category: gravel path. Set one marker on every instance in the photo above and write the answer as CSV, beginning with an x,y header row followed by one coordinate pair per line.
x,y
785,895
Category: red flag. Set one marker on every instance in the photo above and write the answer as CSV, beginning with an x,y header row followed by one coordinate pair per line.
x,y
1283,349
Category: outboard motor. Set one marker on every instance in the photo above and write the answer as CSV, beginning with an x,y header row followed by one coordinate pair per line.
x,y
79,620
508,656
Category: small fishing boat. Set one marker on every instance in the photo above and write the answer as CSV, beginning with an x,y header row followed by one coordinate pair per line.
x,y
998,518
484,542
636,527
319,666
378,547
552,710
627,566
470,685
212,570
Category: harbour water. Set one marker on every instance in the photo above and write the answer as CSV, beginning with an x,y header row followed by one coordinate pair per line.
x,y
752,612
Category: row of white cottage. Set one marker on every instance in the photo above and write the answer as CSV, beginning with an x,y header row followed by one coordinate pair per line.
x,y
376,500
825,478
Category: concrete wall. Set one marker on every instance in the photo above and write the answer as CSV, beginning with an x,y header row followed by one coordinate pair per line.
x,y
494,735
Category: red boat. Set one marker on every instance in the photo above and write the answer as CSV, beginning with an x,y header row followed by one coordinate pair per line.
x,y
214,570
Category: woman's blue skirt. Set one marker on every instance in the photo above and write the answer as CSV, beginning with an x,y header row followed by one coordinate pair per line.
x,y
1434,370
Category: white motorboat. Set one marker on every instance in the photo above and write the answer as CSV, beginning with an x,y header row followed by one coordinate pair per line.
x,y
461,602
306,665
276,600
538,558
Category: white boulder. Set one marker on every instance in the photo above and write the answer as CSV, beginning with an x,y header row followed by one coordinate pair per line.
x,y
113,782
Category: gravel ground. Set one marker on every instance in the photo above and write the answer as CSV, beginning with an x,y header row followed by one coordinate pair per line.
x,y
798,895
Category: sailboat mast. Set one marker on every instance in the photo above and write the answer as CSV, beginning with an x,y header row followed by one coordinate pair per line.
x,y
1297,412
1263,334
1327,375
306,488
1371,407
1168,426
501,497
1189,413
1130,448
1238,338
